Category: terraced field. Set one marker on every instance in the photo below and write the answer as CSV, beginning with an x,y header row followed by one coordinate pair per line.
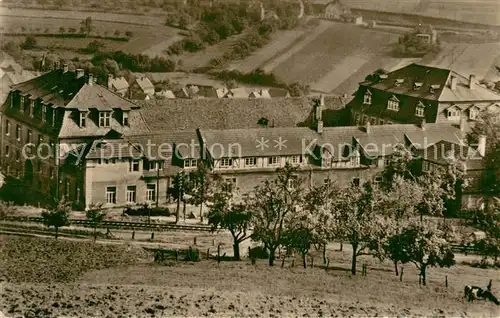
x,y
476,11
335,54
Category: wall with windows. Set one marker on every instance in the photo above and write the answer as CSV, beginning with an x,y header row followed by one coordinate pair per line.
x,y
258,162
41,169
113,182
454,112
391,107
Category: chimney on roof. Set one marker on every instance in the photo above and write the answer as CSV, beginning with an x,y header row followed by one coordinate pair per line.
x,y
110,78
463,123
90,79
319,127
453,82
322,100
481,145
65,68
79,72
368,127
422,124
472,81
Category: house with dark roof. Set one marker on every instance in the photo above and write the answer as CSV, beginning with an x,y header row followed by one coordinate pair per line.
x,y
417,92
58,114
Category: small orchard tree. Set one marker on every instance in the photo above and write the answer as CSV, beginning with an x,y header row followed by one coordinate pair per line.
x,y
488,221
274,204
86,25
96,215
57,217
424,244
200,184
236,218
177,191
356,217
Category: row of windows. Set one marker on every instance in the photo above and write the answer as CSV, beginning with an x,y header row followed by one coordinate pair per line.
x,y
252,161
393,104
131,194
18,133
457,113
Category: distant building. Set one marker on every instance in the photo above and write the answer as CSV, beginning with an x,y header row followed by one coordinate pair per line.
x,y
118,85
426,33
165,93
417,93
141,89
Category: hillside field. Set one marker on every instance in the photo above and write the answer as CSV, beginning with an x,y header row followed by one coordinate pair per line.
x,y
146,38
46,277
473,11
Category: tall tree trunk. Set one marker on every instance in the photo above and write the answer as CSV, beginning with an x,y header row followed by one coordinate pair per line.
x,y
184,209
304,260
272,256
422,273
354,256
177,211
236,250
324,254
201,211
396,268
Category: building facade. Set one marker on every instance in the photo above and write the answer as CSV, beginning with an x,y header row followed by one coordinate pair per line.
x,y
417,93
65,135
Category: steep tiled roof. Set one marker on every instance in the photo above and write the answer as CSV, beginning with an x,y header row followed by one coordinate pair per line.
x,y
144,83
409,75
97,97
402,81
463,93
160,145
212,113
444,152
70,126
119,83
258,141
57,87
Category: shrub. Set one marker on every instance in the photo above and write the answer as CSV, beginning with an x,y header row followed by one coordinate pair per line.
x,y
259,252
192,255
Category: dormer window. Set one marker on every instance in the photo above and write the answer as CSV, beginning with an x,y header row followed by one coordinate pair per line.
x,y
399,82
473,112
420,109
393,103
434,88
367,98
383,76
83,119
21,103
44,112
32,108
417,85
453,113
125,118
104,119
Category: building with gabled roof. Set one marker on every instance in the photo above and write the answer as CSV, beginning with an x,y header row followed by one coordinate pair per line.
x,y
141,89
417,92
118,85
64,111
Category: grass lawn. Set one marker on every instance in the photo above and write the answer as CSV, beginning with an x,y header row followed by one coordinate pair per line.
x,y
128,283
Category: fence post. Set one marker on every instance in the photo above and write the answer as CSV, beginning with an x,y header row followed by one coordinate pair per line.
x,y
194,241
401,274
327,263
208,253
218,254
176,255
446,281
133,234
312,261
152,235
341,246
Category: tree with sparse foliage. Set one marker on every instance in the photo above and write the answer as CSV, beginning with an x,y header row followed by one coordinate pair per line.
x,y
425,244
86,25
275,203
96,215
178,190
200,184
57,217
224,213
